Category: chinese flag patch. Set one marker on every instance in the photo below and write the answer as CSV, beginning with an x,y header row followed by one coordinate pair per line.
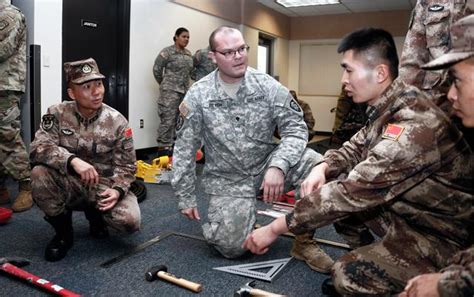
x,y
128,132
393,132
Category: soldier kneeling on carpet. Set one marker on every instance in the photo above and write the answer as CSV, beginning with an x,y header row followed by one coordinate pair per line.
x,y
84,159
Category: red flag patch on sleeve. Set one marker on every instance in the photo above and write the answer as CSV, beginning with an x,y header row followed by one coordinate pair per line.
x,y
393,132
128,132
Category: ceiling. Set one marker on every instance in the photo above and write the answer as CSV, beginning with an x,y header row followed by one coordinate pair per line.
x,y
346,6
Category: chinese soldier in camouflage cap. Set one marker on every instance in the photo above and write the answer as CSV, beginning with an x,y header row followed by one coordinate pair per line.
x,y
84,159
13,155
407,178
457,279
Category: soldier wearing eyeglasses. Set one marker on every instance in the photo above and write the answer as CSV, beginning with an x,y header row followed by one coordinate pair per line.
x,y
233,113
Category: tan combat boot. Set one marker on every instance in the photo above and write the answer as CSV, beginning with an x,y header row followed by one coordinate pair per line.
x,y
306,249
4,196
23,201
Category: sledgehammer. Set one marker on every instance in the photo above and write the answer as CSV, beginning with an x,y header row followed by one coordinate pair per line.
x,y
160,271
8,266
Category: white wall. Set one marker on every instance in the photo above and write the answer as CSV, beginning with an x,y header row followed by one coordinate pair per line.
x,y
48,34
152,26
321,105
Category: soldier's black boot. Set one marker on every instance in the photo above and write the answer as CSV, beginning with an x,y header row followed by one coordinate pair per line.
x,y
97,227
58,247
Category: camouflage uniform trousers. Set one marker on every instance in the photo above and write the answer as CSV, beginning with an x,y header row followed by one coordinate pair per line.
x,y
14,159
54,193
231,219
383,268
168,103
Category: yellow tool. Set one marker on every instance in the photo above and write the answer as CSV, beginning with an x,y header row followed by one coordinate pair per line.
x,y
150,173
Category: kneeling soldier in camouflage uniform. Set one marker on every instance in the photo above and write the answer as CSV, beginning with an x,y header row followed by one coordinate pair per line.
x,y
84,159
233,111
409,178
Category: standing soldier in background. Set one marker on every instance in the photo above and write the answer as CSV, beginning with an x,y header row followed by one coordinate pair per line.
x,y
172,70
203,65
428,38
13,156
307,115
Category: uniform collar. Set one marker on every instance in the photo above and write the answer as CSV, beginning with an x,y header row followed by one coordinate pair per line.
x,y
88,120
384,100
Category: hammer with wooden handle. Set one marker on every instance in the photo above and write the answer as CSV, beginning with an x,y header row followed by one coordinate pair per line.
x,y
160,271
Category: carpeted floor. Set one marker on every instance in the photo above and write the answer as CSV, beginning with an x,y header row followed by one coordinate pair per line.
x,y
27,234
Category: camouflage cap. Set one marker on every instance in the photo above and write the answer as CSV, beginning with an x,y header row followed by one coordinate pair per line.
x,y
462,45
79,72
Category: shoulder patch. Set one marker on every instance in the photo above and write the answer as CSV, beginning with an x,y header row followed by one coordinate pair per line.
x,y
184,109
48,121
295,106
179,122
393,132
128,132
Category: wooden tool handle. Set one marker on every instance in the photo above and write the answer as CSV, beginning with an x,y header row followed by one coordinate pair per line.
x,y
258,292
195,287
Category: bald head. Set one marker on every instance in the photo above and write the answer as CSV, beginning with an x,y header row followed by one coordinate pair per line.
x,y
223,30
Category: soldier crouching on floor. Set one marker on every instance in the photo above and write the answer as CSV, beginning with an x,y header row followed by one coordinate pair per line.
x,y
84,159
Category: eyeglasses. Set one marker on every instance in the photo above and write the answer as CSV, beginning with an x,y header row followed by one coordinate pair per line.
x,y
231,53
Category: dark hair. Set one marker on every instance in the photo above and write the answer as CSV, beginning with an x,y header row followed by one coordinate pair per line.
x,y
293,93
179,31
212,42
375,45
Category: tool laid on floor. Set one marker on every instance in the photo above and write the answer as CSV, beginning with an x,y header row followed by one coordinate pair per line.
x,y
8,266
249,290
141,247
253,270
161,271
151,173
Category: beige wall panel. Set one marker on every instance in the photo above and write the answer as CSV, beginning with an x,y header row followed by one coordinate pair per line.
x,y
336,26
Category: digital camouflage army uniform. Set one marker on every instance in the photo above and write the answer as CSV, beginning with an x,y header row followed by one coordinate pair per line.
x,y
103,140
237,135
411,172
458,277
13,155
202,64
172,70
428,38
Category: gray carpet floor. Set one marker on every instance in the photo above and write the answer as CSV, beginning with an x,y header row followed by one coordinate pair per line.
x,y
27,234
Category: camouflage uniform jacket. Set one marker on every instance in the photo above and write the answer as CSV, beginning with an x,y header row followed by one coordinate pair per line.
x,y
12,49
237,134
458,278
308,114
172,69
103,140
427,39
202,64
418,170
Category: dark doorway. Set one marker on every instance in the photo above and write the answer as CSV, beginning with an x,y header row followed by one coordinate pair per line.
x,y
100,29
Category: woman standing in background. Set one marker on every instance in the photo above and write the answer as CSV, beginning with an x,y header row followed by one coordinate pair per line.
x,y
172,70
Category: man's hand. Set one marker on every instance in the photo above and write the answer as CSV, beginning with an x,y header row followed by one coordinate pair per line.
x,y
89,175
273,184
191,213
315,179
259,240
109,199
424,285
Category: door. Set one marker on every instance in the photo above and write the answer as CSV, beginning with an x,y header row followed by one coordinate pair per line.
x,y
100,29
